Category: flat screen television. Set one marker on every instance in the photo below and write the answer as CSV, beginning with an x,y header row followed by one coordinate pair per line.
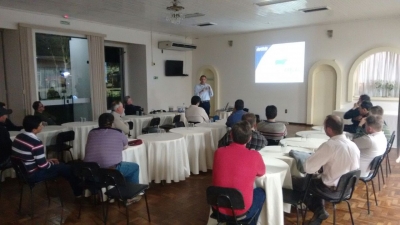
x,y
174,68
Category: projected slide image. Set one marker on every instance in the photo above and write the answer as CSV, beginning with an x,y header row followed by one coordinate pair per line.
x,y
280,63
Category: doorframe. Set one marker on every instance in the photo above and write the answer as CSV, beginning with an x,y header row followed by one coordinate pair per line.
x,y
311,78
216,82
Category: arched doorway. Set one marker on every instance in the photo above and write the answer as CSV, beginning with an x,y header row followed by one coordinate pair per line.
x,y
324,91
213,80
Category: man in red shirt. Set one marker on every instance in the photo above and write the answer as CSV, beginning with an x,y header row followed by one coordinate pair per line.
x,y
235,166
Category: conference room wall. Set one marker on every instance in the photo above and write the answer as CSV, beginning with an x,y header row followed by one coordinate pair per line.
x,y
236,64
163,91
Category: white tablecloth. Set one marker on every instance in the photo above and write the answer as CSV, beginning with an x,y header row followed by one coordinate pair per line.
x,y
82,130
138,155
313,134
223,114
277,176
199,145
221,121
218,130
310,143
167,157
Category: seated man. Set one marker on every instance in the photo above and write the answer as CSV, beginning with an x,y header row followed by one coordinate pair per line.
x,y
105,145
375,111
44,116
273,131
8,124
5,141
237,167
354,114
28,148
131,109
257,141
371,145
117,110
237,113
337,156
195,113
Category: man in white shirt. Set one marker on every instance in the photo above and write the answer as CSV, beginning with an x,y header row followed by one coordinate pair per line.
x,y
337,156
205,92
194,113
371,145
117,110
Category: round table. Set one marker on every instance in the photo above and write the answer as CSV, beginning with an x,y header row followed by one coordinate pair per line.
x,y
310,143
199,147
167,157
321,128
139,122
221,121
218,130
312,134
82,130
223,114
138,155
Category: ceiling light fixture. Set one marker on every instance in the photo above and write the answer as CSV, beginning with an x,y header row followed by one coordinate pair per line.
x,y
175,16
273,2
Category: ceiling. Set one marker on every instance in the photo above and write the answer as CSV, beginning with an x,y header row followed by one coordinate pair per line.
x,y
230,16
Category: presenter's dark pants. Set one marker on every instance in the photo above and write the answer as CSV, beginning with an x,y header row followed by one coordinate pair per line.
x,y
206,106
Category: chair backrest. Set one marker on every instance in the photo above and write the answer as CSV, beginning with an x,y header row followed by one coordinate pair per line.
x,y
193,122
176,119
85,170
112,177
20,169
130,124
179,124
374,166
257,118
347,183
246,109
390,143
155,130
225,197
155,122
65,136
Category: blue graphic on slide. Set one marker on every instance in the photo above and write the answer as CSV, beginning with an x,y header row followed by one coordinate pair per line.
x,y
260,51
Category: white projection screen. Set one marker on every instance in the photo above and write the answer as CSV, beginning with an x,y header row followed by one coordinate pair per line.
x,y
280,63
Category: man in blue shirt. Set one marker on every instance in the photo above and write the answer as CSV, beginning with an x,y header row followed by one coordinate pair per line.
x,y
237,114
205,92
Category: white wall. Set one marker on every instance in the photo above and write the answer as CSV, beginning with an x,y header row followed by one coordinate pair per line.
x,y
236,64
163,91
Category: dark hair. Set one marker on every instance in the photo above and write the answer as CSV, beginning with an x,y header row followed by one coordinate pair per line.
x,y
114,104
250,117
31,122
376,110
239,104
365,97
375,122
203,76
366,105
241,132
106,120
35,105
195,99
271,111
335,123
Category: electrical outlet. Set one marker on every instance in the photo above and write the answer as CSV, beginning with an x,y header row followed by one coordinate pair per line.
x,y
285,110
155,77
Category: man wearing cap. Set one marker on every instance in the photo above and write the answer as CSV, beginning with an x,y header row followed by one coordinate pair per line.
x,y
10,125
205,92
5,141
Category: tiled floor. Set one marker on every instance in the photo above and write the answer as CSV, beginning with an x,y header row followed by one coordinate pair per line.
x,y
182,203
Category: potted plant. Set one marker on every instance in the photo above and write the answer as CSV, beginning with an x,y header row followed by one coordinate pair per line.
x,y
389,87
378,86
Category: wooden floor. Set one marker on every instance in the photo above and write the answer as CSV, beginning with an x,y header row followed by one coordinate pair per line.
x,y
183,203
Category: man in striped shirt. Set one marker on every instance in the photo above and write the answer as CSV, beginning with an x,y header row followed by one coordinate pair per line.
x,y
28,148
273,131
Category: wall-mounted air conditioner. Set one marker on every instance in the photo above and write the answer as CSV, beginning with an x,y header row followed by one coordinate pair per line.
x,y
170,45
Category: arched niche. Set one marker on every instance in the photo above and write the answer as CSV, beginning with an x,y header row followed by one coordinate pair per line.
x,y
352,76
213,79
312,89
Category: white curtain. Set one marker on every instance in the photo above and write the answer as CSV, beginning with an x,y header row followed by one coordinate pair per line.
x,y
379,75
27,68
97,75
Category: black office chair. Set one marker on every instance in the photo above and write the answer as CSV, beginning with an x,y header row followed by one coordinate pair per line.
x,y
60,147
23,177
297,198
153,123
386,155
374,166
226,198
193,122
121,190
273,142
5,166
130,124
180,124
344,192
168,127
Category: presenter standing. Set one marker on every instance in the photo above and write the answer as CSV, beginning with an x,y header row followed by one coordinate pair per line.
x,y
205,92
